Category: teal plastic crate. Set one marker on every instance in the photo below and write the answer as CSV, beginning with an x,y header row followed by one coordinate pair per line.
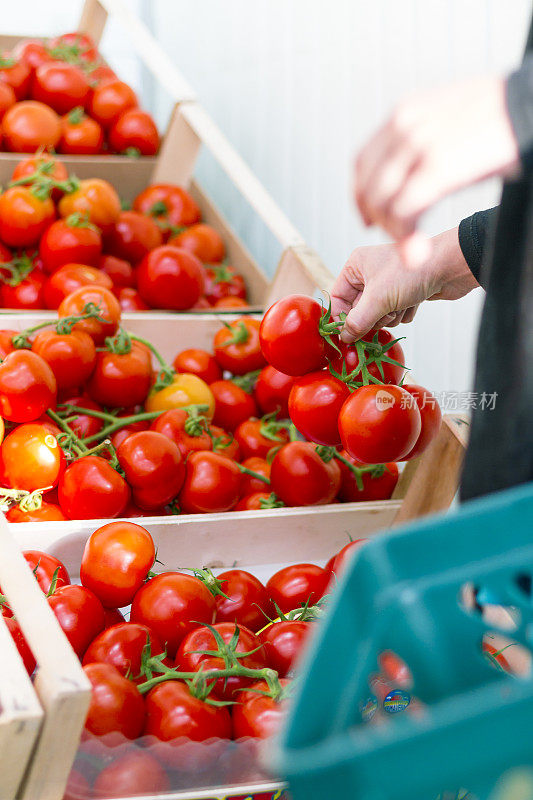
x,y
467,722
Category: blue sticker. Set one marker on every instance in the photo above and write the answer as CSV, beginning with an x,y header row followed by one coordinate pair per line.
x,y
369,708
396,701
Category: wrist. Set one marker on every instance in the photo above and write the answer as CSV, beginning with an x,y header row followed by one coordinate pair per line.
x,y
449,262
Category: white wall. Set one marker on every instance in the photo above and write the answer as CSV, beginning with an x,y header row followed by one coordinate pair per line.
x,y
297,86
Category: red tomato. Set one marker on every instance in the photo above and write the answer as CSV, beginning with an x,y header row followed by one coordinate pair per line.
x,y
32,458
198,362
112,617
284,641
171,605
344,556
212,484
170,278
291,337
314,405
28,125
121,435
77,786
17,74
153,466
23,292
231,302
122,645
251,485
80,615
47,512
74,46
131,300
258,716
116,703
41,163
190,660
109,100
430,415
101,297
80,134
170,205
129,774
173,712
378,424
300,477
257,501
115,562
134,130
70,277
33,52
248,598
70,356
272,391
61,86
44,566
237,347
6,342
224,443
186,431
121,379
296,585
91,489
202,241
223,282
102,74
94,198
232,405
84,425
70,240
119,270
256,437
27,386
133,236
349,360
7,98
377,484
23,216
21,644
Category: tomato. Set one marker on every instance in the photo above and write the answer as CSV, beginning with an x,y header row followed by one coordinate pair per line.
x,y
115,562
185,430
27,386
6,342
256,437
201,240
212,484
112,617
70,277
296,585
121,379
378,424
237,347
42,163
283,642
251,485
200,363
248,598
173,712
80,135
102,74
122,645
47,512
33,52
101,297
7,98
345,555
348,358
91,489
80,615
94,198
129,774
68,241
77,786
61,86
259,715
32,458
153,466
169,277
224,443
231,303
23,216
109,100
21,644
131,300
74,46
185,390
291,338
116,703
134,130
430,415
377,484
171,605
121,435
28,292
169,205
272,391
119,270
314,405
190,660
29,125
223,281
232,405
257,501
84,425
17,74
133,236
300,477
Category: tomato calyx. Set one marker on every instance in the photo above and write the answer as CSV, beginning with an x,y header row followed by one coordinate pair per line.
x,y
62,327
221,442
222,273
270,427
278,693
328,329
131,152
70,53
305,613
240,333
25,500
368,353
76,116
18,269
79,220
158,209
327,453
196,424
272,501
120,343
7,61
246,381
209,580
42,184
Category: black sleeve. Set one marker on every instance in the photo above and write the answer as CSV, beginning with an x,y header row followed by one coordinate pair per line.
x,y
520,106
474,232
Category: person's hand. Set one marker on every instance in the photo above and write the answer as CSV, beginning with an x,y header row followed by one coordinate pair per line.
x,y
375,287
433,144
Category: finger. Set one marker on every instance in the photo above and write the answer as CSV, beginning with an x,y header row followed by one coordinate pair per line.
x,y
385,321
398,318
363,316
345,291
367,161
387,179
409,315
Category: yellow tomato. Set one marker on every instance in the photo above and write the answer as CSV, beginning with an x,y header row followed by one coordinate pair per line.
x,y
185,390
94,198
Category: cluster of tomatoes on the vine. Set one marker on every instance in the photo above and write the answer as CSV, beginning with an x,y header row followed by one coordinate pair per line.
x,y
58,233
201,657
61,95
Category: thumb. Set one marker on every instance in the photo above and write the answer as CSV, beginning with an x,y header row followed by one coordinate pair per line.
x,y
369,309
